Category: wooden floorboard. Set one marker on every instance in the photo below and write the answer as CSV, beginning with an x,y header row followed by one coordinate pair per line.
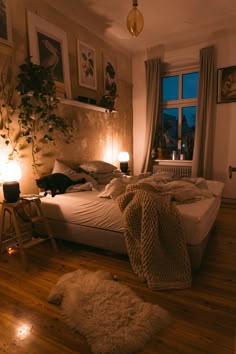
x,y
203,316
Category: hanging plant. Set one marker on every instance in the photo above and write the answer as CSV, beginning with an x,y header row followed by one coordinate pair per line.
x,y
7,109
37,118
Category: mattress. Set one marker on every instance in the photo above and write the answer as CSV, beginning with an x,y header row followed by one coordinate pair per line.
x,y
88,211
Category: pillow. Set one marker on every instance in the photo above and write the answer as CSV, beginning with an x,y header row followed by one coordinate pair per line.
x,y
117,186
102,178
98,167
60,167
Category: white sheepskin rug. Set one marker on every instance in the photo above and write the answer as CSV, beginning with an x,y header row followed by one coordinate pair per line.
x,y
111,317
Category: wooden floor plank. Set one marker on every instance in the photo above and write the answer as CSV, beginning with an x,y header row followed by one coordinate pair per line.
x,y
203,316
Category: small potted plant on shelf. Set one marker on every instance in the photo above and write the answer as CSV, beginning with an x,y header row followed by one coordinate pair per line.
x,y
108,101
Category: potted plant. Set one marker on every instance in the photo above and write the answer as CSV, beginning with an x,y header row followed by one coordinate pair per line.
x,y
108,101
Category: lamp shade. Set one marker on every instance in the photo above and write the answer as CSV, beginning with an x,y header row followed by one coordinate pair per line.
x,y
123,156
11,188
135,21
12,171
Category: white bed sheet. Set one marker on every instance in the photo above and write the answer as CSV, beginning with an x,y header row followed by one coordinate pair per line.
x,y
84,208
87,209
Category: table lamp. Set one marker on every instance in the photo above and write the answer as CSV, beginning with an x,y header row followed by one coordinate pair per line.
x,y
11,187
124,158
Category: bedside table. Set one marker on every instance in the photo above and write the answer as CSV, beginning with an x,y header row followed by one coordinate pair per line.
x,y
16,223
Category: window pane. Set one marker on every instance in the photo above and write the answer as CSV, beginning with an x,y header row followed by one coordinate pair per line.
x,y
169,135
170,88
188,131
190,85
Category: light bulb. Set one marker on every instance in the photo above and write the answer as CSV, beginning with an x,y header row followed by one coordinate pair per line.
x,y
12,171
135,20
123,156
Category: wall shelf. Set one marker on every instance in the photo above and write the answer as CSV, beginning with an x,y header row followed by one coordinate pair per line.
x,y
84,105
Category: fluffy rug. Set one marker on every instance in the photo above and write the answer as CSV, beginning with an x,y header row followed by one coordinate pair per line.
x,y
110,316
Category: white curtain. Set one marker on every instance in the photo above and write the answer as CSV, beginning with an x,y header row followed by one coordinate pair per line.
x,y
205,124
153,83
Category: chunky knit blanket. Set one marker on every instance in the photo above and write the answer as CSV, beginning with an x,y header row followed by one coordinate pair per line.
x,y
155,238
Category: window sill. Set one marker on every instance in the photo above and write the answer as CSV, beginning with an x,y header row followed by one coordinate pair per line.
x,y
173,162
85,105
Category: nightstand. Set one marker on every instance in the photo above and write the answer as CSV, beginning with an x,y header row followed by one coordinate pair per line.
x,y
16,223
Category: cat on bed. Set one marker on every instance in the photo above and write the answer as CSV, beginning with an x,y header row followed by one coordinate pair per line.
x,y
57,183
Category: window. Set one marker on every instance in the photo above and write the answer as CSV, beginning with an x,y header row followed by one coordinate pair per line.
x,y
178,113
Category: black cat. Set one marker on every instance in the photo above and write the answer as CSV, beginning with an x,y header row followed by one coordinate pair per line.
x,y
57,183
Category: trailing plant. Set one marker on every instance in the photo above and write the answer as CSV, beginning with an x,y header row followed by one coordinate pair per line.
x,y
7,109
36,116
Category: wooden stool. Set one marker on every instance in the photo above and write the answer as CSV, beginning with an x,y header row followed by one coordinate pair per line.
x,y
22,215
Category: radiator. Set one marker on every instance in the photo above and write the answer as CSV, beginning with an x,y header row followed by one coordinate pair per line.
x,y
175,170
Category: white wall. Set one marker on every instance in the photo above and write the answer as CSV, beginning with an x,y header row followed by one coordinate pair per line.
x,y
225,129
225,138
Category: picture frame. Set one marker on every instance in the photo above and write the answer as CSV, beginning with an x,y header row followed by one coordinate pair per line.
x,y
87,66
48,47
5,23
226,84
110,76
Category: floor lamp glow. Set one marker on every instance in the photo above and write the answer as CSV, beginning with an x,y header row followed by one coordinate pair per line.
x,y
11,176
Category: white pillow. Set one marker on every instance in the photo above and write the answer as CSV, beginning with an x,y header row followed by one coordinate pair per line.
x,y
60,167
113,189
98,167
117,186
104,178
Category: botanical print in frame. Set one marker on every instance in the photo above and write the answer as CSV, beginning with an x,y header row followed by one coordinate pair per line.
x,y
87,65
226,85
5,23
110,76
48,47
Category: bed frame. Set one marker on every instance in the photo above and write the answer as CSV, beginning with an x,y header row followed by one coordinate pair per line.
x,y
110,240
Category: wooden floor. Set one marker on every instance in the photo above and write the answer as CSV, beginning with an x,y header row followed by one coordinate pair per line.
x,y
204,316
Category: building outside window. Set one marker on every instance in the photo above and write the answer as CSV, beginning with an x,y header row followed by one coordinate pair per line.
x,y
178,115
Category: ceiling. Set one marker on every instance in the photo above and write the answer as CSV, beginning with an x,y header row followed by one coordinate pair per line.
x,y
165,21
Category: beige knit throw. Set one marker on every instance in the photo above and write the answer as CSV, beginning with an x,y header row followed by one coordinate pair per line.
x,y
155,239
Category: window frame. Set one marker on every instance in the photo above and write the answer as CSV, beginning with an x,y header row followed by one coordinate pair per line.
x,y
181,102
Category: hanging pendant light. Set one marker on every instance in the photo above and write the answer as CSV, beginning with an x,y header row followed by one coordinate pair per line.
x,y
135,20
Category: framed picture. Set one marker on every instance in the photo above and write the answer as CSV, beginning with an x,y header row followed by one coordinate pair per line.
x,y
87,65
226,85
48,47
5,23
110,76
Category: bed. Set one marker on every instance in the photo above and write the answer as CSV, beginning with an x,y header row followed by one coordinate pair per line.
x,y
88,218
